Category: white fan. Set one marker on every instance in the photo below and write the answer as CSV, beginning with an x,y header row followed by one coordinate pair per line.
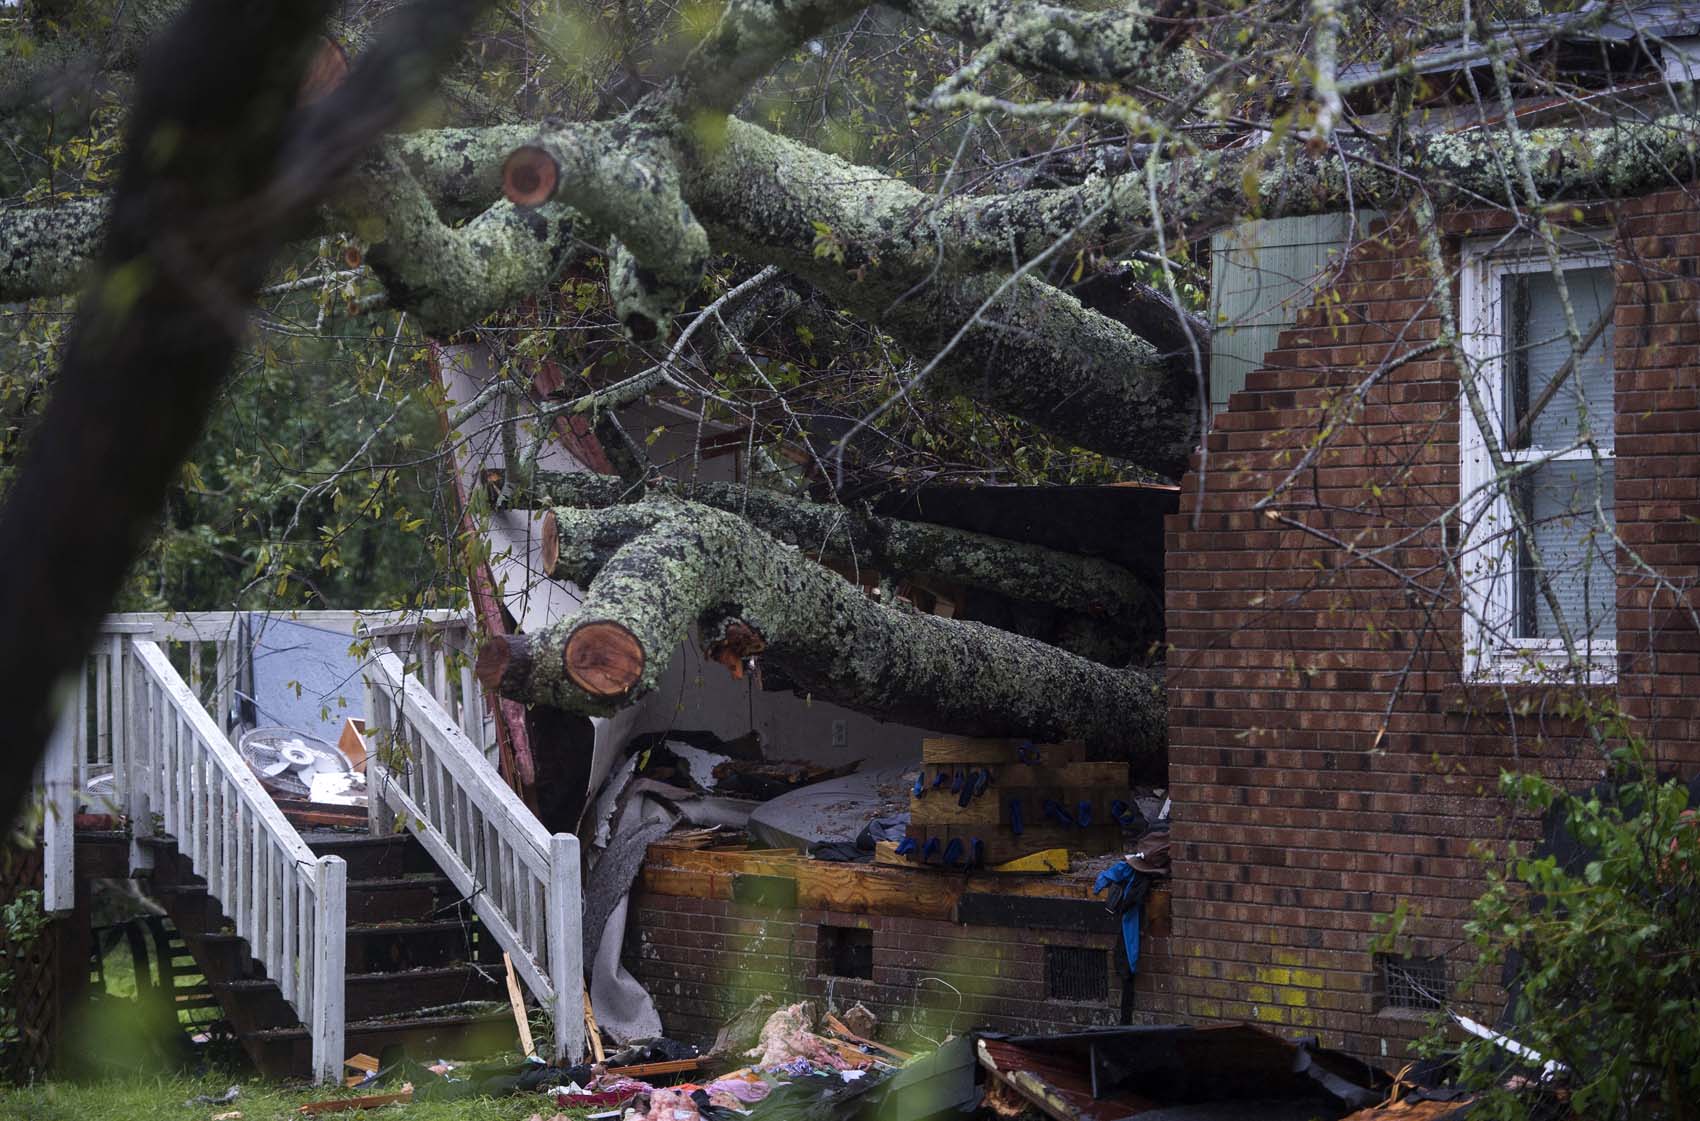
x,y
287,760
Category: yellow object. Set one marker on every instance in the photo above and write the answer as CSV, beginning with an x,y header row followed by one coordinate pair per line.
x,y
1047,860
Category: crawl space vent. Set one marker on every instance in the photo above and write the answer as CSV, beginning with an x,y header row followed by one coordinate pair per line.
x,y
1412,983
1076,973
845,951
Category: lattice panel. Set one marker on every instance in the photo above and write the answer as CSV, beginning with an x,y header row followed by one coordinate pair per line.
x,y
34,971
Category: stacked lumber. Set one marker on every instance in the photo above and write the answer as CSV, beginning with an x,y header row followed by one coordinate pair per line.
x,y
1015,798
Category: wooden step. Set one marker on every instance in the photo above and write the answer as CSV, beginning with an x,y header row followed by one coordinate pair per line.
x,y
256,1003
370,948
288,1052
372,858
403,899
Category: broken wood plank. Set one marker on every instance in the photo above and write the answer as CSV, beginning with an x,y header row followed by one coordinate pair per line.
x,y
592,1031
960,749
838,1028
517,1002
1057,1087
649,1070
370,1101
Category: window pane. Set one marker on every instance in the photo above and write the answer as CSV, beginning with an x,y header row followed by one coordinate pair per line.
x,y
1536,350
1577,550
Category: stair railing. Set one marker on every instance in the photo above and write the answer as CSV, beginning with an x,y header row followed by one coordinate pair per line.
x,y
290,905
522,881
442,652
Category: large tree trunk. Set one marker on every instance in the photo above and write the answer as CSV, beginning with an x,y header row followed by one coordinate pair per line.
x,y
659,566
1018,570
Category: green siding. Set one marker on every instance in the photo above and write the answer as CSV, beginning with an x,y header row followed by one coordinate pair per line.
x,y
1261,273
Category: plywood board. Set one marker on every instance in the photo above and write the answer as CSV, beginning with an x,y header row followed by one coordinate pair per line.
x,y
957,749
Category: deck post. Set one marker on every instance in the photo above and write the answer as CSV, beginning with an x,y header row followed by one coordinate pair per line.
x,y
139,755
565,922
59,818
330,929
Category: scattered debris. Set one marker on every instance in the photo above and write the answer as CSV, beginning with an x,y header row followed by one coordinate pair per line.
x,y
651,1070
740,1033
1110,1073
860,1021
837,1027
367,1067
233,1115
370,1101
787,1038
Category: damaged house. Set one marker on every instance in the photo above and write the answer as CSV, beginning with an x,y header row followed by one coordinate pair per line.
x,y
730,726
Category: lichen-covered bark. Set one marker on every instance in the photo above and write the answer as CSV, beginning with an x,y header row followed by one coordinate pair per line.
x,y
1023,347
1127,41
452,276
749,40
45,250
1087,585
625,181
683,564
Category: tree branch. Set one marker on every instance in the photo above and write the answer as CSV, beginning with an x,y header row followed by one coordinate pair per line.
x,y
1015,569
679,564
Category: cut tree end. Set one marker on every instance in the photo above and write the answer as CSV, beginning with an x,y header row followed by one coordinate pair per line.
x,y
604,659
551,545
529,176
496,656
737,643
492,662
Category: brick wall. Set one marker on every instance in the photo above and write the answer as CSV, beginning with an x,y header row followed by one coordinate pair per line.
x,y
704,959
1325,761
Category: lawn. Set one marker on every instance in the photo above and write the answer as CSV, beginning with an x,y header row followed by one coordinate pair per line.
x,y
164,1098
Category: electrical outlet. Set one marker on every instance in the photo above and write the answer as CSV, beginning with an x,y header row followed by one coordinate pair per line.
x,y
840,733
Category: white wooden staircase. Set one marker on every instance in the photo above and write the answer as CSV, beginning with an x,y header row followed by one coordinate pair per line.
x,y
322,944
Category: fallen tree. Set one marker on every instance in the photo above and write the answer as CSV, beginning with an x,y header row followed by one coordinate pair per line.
x,y
1018,570
1056,304
655,569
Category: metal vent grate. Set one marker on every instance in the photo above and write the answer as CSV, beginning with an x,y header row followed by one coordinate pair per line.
x,y
1076,973
1408,982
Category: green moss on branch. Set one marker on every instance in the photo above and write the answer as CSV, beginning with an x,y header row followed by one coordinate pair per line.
x,y
683,564
1014,569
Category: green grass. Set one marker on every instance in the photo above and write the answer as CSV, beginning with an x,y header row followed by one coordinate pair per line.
x,y
163,1098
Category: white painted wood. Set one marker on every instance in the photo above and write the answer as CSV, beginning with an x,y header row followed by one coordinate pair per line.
x,y
437,845
59,808
224,690
255,862
442,741
330,920
482,835
116,677
566,947
82,749
141,754
102,711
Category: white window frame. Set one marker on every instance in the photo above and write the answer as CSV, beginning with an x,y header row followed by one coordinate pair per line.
x,y
1488,571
